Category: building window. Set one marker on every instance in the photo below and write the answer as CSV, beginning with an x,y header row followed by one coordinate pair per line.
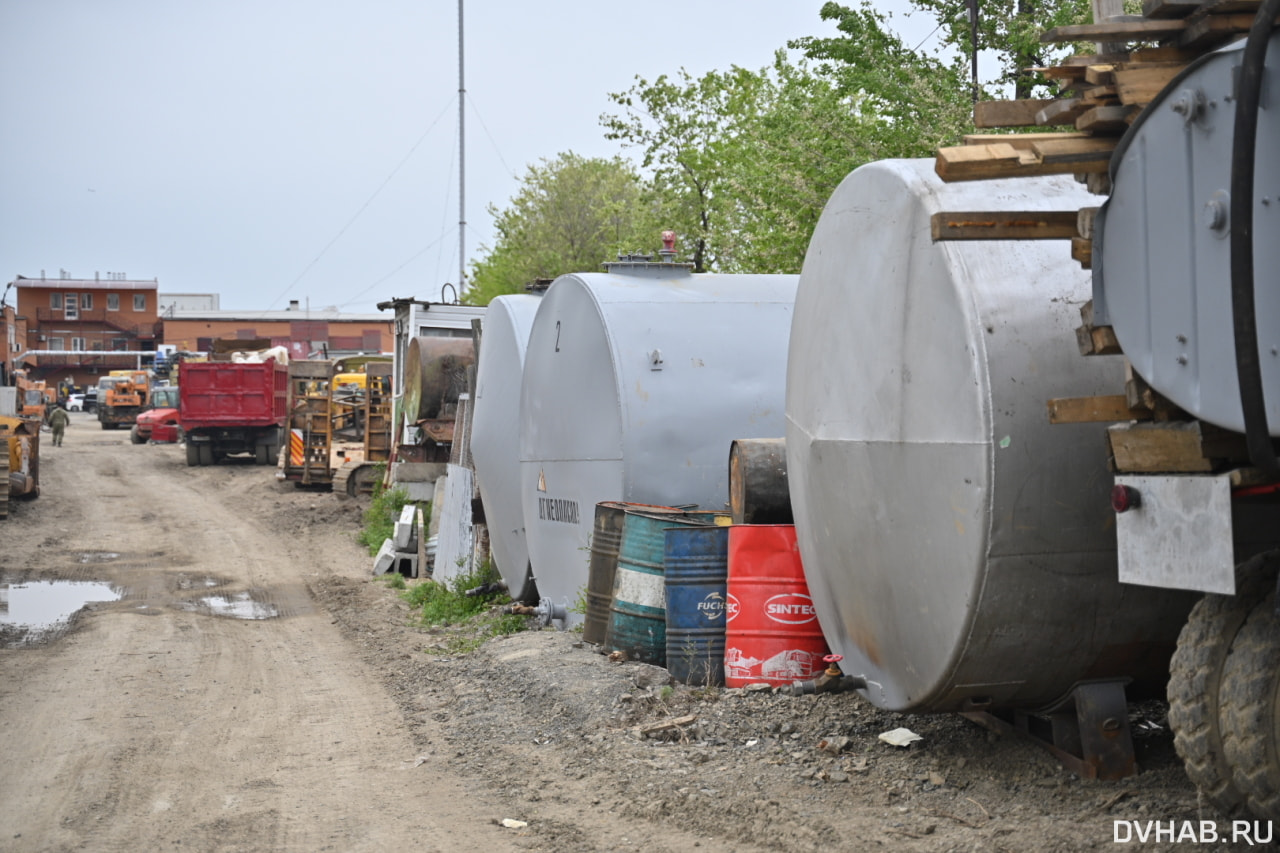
x,y
86,302
77,344
139,302
113,302
57,343
72,307
119,344
55,301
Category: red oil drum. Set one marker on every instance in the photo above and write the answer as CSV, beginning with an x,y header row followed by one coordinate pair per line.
x,y
772,635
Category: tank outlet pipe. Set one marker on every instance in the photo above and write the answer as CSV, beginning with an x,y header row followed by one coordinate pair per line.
x,y
545,612
832,680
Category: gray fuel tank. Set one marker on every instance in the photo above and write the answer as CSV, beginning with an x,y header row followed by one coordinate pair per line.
x,y
635,383
495,435
960,549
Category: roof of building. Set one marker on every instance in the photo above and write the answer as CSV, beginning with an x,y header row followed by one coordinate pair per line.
x,y
84,284
283,316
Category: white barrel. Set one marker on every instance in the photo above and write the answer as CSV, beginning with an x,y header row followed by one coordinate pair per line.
x,y
495,436
635,383
959,548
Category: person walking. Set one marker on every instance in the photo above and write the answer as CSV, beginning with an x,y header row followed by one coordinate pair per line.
x,y
58,419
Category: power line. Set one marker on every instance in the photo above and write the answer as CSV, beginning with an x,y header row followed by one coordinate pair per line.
x,y
364,206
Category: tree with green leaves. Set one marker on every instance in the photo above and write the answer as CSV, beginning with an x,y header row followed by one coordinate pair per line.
x,y
1011,29
570,214
686,130
743,161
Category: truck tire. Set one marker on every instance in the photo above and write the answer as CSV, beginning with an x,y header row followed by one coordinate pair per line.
x,y
1195,678
193,455
1250,710
262,454
136,437
206,453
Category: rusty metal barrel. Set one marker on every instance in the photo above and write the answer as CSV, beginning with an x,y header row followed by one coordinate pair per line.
x,y
606,539
758,491
435,373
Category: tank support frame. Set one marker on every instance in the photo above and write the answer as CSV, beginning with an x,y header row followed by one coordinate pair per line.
x,y
1087,730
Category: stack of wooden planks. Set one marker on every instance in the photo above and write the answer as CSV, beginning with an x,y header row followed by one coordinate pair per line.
x,y
1102,94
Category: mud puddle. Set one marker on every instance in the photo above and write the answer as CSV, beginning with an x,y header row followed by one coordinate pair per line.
x,y
34,612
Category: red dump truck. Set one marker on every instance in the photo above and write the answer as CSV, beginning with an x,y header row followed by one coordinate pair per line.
x,y
228,408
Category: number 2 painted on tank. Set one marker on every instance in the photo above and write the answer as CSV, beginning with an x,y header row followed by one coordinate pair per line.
x,y
557,336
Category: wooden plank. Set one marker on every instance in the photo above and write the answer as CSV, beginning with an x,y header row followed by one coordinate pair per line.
x,y
1214,30
1100,75
1169,8
1126,31
1022,141
1140,84
1085,217
987,114
1107,119
1225,7
1151,448
1086,410
1166,53
1097,340
1082,251
1005,225
1061,111
977,162
1090,151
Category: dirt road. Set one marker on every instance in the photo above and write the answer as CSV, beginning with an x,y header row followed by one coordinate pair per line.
x,y
254,689
214,706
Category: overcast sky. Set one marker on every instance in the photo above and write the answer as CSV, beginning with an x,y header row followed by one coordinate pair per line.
x,y
270,150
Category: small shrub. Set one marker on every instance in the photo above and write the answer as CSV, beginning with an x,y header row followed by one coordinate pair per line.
x,y
471,618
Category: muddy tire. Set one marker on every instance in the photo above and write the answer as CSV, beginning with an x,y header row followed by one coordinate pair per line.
x,y
205,453
136,437
262,454
1250,710
193,455
1195,678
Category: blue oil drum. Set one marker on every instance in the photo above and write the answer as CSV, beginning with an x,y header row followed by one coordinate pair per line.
x,y
696,562
638,616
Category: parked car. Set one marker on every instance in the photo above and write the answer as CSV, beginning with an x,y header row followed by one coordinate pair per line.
x,y
91,399
75,402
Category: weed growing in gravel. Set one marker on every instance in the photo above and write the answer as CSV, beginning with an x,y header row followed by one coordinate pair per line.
x,y
475,617
381,516
394,580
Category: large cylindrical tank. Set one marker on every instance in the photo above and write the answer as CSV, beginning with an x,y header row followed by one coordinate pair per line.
x,y
960,549
635,382
435,373
495,436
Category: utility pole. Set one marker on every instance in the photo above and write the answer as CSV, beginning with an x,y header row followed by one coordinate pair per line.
x,y
462,162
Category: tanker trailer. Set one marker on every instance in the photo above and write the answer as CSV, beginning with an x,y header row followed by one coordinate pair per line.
x,y
495,436
959,549
1186,254
635,383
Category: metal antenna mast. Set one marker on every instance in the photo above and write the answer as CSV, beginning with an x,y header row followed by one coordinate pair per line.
x,y
462,162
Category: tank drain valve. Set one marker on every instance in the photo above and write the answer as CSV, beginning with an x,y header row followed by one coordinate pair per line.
x,y
832,680
545,612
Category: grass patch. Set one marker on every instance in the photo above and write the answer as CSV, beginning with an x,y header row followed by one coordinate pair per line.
x,y
470,620
383,513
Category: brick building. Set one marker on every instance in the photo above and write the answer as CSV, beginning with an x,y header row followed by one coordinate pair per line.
x,y
72,330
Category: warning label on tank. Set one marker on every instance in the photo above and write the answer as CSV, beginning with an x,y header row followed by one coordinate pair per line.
x,y
558,509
